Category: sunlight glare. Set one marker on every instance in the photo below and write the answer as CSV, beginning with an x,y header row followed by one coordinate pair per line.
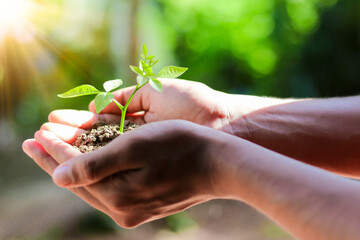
x,y
13,15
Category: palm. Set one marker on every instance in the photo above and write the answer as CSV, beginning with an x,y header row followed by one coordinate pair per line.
x,y
180,100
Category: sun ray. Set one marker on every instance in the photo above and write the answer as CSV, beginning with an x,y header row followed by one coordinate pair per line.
x,y
24,39
52,45
14,16
5,100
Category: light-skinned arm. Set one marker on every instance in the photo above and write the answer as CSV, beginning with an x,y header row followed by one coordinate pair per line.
x,y
321,132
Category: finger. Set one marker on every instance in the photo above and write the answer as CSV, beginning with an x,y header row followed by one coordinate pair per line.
x,y
69,134
95,166
55,147
138,102
34,150
66,133
81,119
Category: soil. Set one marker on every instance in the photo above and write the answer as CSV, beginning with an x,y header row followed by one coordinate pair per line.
x,y
100,135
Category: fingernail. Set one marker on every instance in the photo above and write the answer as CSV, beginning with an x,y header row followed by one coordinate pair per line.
x,y
61,176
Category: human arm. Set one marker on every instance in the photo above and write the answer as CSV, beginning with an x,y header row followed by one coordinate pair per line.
x,y
165,167
308,202
321,132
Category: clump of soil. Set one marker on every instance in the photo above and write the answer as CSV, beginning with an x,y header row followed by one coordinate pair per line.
x,y
100,135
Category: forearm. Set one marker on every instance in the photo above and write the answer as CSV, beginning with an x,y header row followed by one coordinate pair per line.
x,y
308,202
321,132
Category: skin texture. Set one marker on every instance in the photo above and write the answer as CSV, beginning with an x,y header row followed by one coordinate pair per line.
x,y
135,183
320,132
167,166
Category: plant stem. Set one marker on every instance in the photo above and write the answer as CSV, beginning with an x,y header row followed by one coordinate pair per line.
x,y
118,104
123,111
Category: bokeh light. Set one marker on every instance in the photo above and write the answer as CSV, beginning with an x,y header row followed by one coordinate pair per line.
x,y
14,17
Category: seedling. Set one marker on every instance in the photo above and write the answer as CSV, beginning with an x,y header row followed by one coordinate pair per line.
x,y
144,74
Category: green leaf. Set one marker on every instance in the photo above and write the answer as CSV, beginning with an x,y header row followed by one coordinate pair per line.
x,y
80,91
112,84
171,72
145,50
152,62
150,57
102,100
141,80
136,70
148,71
156,84
150,75
144,64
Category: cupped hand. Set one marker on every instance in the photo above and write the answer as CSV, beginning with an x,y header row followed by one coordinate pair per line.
x,y
180,99
148,173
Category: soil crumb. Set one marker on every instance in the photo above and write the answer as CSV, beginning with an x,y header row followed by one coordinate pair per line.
x,y
100,135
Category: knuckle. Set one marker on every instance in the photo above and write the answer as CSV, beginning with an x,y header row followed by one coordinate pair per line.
x,y
54,146
46,162
130,222
88,170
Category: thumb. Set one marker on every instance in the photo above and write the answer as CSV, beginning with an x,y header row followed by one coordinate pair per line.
x,y
92,167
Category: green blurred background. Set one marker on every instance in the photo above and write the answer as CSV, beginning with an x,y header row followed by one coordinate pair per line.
x,y
289,48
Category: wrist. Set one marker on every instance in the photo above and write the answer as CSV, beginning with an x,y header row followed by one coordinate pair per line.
x,y
244,107
225,156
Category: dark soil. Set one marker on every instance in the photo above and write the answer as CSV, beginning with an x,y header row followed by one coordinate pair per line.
x,y
100,135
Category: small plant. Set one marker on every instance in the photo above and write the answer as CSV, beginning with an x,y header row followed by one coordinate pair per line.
x,y
145,75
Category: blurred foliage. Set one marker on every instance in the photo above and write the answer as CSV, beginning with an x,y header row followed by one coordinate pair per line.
x,y
327,64
93,224
273,231
267,47
52,234
180,222
292,48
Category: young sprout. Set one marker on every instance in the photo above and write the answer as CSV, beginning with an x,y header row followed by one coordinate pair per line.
x,y
145,75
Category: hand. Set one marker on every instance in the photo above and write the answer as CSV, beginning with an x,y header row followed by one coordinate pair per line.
x,y
180,99
146,174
